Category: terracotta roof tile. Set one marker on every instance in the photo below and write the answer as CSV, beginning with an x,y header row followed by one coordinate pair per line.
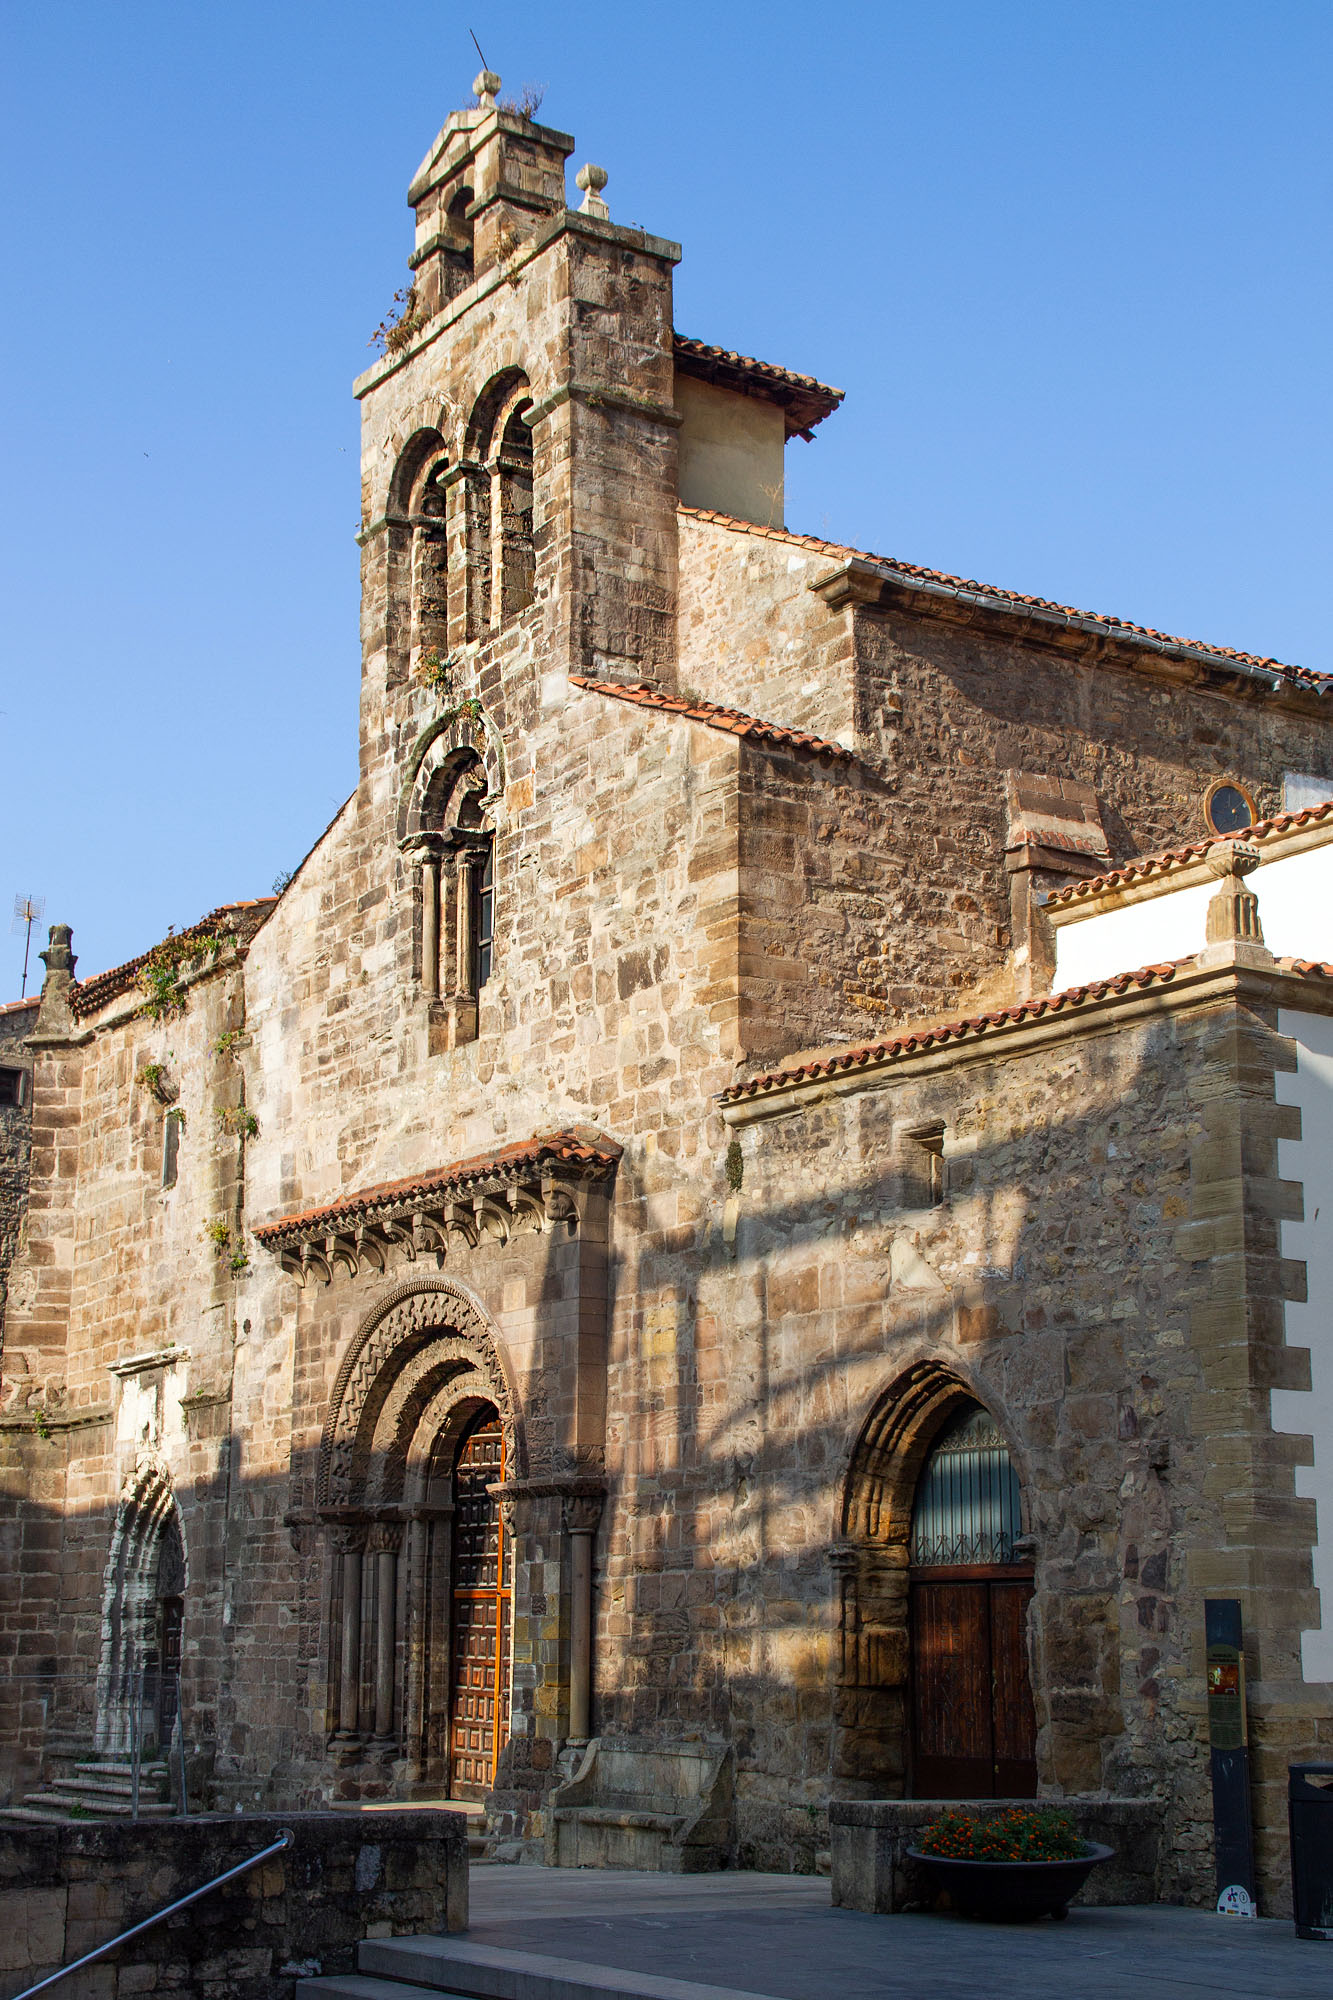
x,y
987,596
243,919
33,1001
805,402
969,1029
733,720
1180,857
595,1156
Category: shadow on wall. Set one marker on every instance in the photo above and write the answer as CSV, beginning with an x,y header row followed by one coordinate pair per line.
x,y
771,1400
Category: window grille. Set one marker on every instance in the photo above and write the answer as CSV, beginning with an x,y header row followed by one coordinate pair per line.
x,y
967,1508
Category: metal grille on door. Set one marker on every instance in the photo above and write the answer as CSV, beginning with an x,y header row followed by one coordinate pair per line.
x,y
481,1610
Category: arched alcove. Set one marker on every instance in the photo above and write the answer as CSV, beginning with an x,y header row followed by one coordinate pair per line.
x,y
501,551
919,1636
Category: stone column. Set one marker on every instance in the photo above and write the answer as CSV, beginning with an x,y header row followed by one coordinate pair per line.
x,y
351,1542
582,1514
463,928
382,1546
430,925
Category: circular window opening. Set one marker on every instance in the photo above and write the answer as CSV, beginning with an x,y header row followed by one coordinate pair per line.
x,y
1228,809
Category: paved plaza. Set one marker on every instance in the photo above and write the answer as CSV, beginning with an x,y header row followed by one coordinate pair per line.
x,y
778,1935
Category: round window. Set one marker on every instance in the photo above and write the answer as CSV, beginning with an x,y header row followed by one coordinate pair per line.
x,y
1228,809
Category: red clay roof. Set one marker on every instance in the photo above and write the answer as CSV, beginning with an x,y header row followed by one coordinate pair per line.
x,y
733,720
16,1006
239,919
804,401
1179,857
989,597
595,1157
865,1055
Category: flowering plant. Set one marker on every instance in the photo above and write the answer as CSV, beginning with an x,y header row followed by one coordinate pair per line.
x,y
1022,1833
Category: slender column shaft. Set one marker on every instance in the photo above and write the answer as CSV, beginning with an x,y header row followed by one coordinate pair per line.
x,y
580,1632
386,1613
349,1683
430,927
466,941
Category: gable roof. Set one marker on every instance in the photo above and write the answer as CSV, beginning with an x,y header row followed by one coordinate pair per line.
x,y
988,597
804,401
733,720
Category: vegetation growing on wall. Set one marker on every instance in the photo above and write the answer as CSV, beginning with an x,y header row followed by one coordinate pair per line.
x,y
163,974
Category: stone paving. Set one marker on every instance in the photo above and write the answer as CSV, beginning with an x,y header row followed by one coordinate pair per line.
x,y
779,1936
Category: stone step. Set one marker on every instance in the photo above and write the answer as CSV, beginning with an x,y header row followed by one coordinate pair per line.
x,y
454,1967
104,1788
56,1804
359,1986
119,1767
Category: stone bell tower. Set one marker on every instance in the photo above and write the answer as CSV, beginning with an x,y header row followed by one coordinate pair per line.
x,y
519,455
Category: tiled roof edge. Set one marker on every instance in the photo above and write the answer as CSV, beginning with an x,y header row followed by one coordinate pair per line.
x,y
86,996
1179,857
971,1028
596,1157
805,400
991,597
733,720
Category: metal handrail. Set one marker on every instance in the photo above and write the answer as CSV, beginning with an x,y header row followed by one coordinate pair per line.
x,y
284,1839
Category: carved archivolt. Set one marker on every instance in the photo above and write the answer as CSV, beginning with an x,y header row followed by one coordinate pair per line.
x,y
420,1339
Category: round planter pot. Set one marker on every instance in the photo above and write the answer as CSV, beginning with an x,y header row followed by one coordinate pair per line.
x,y
1012,1891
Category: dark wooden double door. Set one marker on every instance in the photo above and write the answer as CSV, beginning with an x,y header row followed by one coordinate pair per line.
x,y
973,1727
480,1612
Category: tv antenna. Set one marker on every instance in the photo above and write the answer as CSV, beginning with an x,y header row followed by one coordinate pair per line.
x,y
27,912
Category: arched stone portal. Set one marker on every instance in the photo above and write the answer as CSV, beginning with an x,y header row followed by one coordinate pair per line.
x,y
933,1682
143,1616
420,1635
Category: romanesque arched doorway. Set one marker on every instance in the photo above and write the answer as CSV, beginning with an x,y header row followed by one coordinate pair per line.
x,y
933,1696
420,1435
143,1618
972,1722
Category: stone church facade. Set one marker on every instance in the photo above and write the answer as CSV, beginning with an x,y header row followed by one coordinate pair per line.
x,y
514,1288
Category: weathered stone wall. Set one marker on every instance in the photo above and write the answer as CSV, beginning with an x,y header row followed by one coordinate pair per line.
x,y
15,1137
66,1890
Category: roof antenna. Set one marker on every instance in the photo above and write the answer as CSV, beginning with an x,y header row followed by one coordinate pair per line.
x,y
477,46
27,912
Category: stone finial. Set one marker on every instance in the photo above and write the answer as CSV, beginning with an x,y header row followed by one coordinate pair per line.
x,y
485,85
55,1020
592,180
1233,913
58,956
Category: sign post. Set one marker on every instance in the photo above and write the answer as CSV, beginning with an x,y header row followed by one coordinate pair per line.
x,y
1229,1745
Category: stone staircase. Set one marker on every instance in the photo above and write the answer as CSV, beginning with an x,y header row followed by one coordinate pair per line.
x,y
99,1788
449,1968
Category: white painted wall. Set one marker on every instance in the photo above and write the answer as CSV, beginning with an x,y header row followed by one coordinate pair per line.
x,y
1310,1159
731,452
1295,908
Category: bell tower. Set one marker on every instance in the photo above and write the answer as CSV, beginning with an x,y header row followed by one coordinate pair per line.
x,y
519,439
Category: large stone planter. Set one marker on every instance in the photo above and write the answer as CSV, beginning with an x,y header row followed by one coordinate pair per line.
x,y
873,1868
1013,1892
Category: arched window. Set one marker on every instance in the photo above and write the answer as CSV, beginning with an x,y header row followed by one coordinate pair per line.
x,y
416,556
501,551
973,1726
456,844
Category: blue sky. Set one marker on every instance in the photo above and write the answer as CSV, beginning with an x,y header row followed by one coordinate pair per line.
x,y
1070,263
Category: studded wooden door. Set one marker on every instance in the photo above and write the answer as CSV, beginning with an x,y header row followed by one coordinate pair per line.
x,y
479,1704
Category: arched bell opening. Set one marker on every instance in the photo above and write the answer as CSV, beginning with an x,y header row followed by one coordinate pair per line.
x,y
935,1578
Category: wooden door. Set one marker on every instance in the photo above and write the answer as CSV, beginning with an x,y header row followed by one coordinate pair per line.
x,y
479,1682
973,1726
